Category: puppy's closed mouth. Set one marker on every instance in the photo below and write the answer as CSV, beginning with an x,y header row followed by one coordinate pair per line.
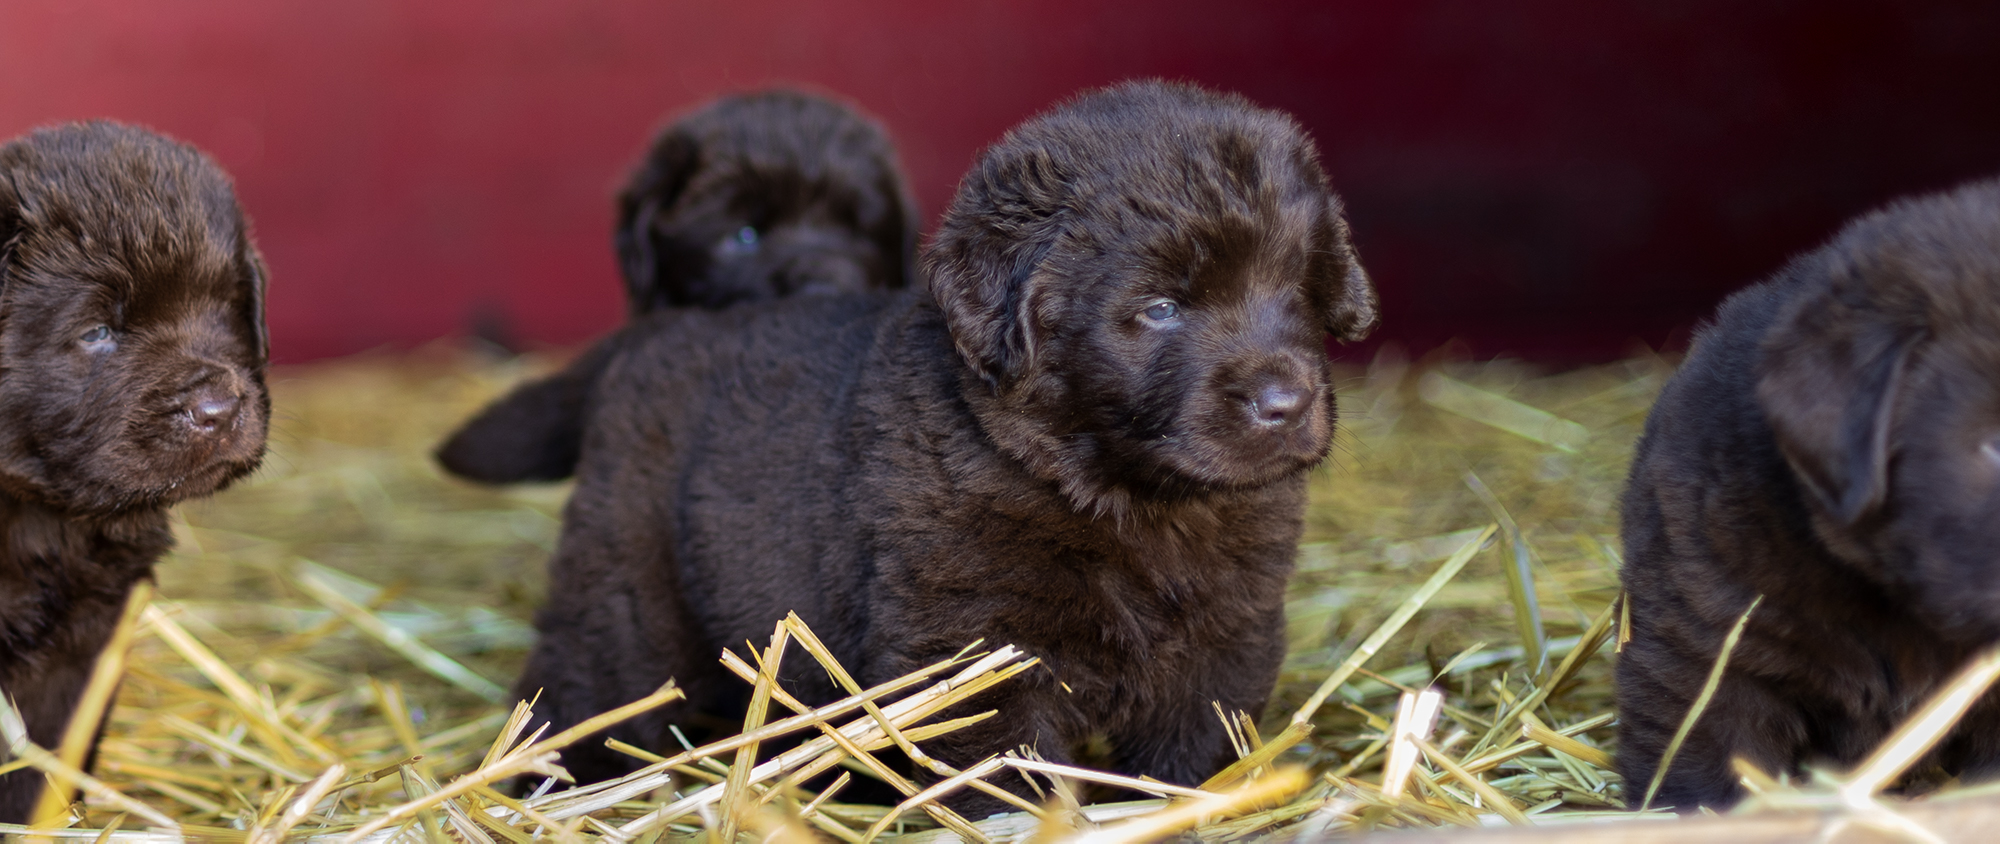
x,y
206,462
1250,437
1243,465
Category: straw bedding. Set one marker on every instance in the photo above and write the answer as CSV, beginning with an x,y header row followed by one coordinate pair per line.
x,y
326,652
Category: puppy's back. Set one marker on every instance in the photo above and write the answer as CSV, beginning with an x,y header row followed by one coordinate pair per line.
x,y
703,433
758,387
823,174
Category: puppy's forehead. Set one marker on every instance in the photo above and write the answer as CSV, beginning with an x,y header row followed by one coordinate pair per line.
x,y
1933,260
1193,175
1220,173
784,128
124,208
1211,238
1179,140
145,262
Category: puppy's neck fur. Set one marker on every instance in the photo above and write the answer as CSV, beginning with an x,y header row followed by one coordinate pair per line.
x,y
37,535
1072,462
52,562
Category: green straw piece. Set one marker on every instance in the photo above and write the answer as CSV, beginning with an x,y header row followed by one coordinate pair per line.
x,y
1501,412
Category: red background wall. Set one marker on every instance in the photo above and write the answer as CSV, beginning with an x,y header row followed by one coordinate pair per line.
x,y
1552,178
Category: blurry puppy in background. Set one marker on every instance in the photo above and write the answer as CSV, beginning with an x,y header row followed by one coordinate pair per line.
x,y
132,354
1833,444
1089,438
759,196
753,197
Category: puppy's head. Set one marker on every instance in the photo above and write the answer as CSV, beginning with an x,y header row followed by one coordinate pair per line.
x,y
132,341
1882,386
760,196
1143,280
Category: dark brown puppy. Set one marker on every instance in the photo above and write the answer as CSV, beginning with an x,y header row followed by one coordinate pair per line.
x,y
753,197
759,196
1090,442
1833,444
131,376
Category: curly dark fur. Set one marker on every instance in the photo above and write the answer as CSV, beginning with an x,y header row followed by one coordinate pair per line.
x,y
1833,444
132,354
1039,454
753,197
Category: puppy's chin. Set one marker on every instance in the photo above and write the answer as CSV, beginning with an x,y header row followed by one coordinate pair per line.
x,y
158,489
158,466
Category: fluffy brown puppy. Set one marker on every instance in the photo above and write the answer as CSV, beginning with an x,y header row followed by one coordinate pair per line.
x,y
132,356
1832,444
1089,438
753,197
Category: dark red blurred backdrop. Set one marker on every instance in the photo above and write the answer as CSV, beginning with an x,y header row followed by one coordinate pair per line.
x,y
1554,179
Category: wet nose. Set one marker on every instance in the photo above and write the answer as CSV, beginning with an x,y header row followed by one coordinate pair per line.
x,y
1278,405
212,411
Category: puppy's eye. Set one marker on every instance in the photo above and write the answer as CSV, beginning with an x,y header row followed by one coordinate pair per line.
x,y
743,242
1162,311
97,337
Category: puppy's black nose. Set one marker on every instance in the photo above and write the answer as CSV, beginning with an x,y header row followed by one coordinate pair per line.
x,y
212,411
1278,405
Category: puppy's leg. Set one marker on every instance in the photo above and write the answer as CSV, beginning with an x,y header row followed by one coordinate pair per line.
x,y
1183,745
18,792
595,656
1029,714
46,699
1746,719
571,676
615,629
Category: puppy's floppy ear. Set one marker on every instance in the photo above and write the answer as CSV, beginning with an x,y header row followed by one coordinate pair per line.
x,y
653,188
984,262
259,284
1828,384
10,230
1350,297
534,433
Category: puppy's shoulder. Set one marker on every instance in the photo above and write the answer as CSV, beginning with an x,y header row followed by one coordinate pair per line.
x,y
676,353
1718,377
1706,439
675,339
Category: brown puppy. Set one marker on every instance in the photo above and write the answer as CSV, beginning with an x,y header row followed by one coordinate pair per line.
x,y
753,197
132,356
758,196
1833,444
1090,442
